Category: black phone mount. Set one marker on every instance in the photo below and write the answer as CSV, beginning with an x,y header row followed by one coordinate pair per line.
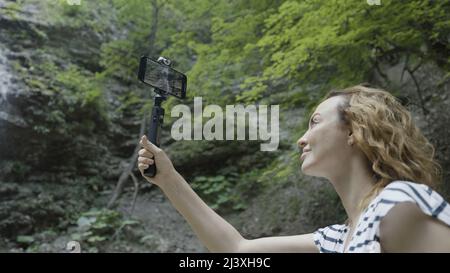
x,y
157,120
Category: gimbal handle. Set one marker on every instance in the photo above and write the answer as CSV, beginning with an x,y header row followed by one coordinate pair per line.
x,y
154,133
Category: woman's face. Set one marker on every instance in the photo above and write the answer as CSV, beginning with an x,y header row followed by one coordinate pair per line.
x,y
326,143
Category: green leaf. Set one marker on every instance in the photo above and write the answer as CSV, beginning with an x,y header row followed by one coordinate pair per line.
x,y
130,222
95,239
25,239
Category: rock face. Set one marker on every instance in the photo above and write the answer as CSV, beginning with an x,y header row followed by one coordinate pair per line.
x,y
59,156
40,164
11,120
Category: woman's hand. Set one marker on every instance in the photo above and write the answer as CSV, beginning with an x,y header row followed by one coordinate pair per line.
x,y
150,154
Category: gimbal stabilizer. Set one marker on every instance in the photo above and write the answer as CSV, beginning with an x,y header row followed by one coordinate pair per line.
x,y
165,81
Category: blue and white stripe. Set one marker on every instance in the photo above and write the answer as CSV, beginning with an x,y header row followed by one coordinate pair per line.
x,y
331,239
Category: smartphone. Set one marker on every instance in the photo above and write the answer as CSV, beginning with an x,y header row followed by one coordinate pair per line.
x,y
165,80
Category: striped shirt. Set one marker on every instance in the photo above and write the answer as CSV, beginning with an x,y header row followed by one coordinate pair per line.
x,y
366,237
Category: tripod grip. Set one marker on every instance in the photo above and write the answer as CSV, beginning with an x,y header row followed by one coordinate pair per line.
x,y
150,171
154,134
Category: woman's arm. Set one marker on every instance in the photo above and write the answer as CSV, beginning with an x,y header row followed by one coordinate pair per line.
x,y
213,231
407,229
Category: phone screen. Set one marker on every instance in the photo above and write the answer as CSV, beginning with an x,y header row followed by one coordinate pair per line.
x,y
162,77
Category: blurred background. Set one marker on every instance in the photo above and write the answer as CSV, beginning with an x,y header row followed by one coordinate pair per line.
x,y
72,110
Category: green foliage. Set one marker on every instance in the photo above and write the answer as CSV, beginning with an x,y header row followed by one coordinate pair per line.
x,y
84,89
95,15
98,226
221,192
215,189
149,32
71,10
76,101
95,183
16,169
258,49
248,51
118,58
128,100
230,59
12,8
25,239
289,52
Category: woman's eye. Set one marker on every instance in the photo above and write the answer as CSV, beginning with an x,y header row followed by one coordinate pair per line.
x,y
313,121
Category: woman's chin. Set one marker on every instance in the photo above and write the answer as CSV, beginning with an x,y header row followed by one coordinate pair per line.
x,y
307,168
304,168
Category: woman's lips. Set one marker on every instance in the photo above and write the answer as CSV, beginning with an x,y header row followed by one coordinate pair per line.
x,y
303,155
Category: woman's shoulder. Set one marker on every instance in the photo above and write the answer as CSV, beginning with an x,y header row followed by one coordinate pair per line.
x,y
421,194
403,184
402,207
412,198
427,199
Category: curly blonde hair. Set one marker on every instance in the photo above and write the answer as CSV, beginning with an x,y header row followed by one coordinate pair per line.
x,y
383,129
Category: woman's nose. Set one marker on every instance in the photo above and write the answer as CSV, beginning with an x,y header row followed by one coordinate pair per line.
x,y
302,142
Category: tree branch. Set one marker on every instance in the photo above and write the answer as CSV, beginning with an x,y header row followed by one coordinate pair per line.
x,y
128,170
136,190
404,67
419,91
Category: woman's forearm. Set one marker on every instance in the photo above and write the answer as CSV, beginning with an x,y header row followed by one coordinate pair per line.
x,y
213,231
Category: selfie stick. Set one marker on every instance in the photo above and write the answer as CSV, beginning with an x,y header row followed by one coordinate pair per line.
x,y
156,121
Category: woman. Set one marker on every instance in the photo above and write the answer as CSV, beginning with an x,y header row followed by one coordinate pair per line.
x,y
365,143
